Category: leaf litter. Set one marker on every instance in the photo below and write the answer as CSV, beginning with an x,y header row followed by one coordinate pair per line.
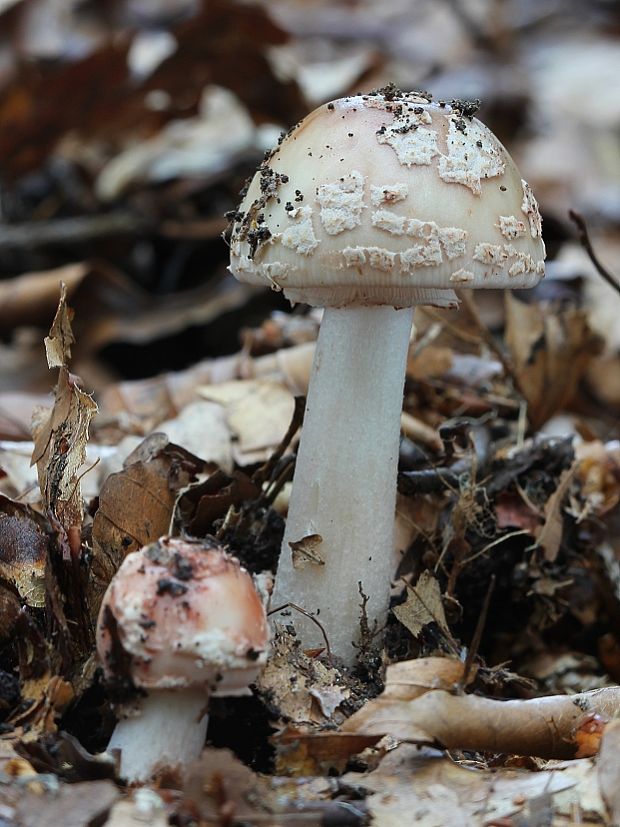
x,y
493,699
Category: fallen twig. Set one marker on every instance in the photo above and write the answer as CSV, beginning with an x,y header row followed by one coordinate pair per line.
x,y
584,239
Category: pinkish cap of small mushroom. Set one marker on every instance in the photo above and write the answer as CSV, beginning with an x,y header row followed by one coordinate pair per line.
x,y
182,614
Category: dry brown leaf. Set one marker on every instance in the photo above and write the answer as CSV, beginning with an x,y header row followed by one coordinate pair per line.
x,y
549,534
307,551
409,679
429,361
544,727
46,698
225,792
201,504
422,606
62,435
301,752
419,431
168,393
221,133
58,343
550,351
136,506
201,429
60,450
220,44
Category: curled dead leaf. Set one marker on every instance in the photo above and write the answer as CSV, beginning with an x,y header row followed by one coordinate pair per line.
x,y
550,353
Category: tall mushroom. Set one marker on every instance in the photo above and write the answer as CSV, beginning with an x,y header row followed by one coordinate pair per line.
x,y
179,620
371,205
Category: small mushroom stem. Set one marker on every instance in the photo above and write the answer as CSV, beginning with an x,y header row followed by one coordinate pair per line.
x,y
344,488
168,732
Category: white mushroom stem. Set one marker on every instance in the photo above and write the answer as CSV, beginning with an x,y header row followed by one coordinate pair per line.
x,y
344,488
168,732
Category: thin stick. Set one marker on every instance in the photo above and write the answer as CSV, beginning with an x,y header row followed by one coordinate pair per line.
x,y
312,618
475,641
584,239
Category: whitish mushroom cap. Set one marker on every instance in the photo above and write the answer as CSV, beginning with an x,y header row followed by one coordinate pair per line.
x,y
180,614
387,198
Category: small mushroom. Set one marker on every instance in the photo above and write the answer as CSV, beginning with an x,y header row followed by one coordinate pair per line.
x,y
371,205
179,620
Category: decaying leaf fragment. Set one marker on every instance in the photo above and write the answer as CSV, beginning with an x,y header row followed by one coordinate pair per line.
x,y
301,688
47,697
413,785
61,435
307,551
550,353
549,534
422,606
24,551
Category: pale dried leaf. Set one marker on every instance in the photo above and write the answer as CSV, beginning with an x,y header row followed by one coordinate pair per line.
x,y
258,411
201,429
58,343
302,689
408,679
307,551
549,534
412,785
422,606
205,145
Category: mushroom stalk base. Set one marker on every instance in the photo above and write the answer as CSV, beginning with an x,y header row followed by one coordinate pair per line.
x,y
168,733
344,489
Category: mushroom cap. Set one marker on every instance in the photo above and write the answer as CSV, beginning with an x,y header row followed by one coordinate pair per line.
x,y
180,614
387,198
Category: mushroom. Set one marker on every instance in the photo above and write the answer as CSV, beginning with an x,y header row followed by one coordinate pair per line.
x,y
371,205
179,619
